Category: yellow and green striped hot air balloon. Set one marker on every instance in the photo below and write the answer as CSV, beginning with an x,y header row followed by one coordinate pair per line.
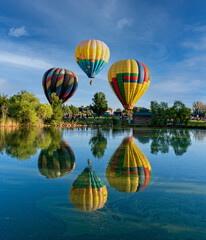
x,y
128,169
88,192
129,79
56,163
92,56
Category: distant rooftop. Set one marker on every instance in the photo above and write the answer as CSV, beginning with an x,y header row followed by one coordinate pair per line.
x,y
143,112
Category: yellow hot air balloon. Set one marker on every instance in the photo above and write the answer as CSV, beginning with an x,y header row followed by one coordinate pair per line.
x,y
129,79
88,192
128,169
92,56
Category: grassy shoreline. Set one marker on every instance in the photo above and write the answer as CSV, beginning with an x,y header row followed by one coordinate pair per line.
x,y
99,123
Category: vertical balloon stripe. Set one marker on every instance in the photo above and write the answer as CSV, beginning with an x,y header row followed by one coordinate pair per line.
x,y
117,89
114,90
44,83
54,79
121,86
100,66
116,159
146,78
75,85
141,72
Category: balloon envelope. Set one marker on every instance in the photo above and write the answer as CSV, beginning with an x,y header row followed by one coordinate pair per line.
x,y
92,56
129,79
88,192
128,169
61,81
57,163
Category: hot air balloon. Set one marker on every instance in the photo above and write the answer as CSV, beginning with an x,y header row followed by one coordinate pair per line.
x,y
61,81
129,79
88,192
128,169
92,56
54,164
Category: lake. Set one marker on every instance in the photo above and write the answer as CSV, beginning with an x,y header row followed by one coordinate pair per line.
x,y
138,184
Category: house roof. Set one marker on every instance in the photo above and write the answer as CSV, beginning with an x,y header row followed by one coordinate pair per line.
x,y
142,114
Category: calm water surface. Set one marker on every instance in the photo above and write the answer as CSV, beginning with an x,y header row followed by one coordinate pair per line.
x,y
141,184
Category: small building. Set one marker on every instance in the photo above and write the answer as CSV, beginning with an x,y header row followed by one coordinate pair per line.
x,y
143,117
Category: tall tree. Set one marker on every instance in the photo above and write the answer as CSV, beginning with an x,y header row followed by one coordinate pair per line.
x,y
74,109
56,105
23,107
99,103
198,108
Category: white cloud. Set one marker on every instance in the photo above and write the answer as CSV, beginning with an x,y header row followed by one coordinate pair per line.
x,y
124,22
18,32
25,61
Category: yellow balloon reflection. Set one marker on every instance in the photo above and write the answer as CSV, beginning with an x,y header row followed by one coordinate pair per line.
x,y
57,162
88,192
128,167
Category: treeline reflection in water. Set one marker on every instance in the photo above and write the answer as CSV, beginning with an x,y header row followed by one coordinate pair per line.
x,y
128,169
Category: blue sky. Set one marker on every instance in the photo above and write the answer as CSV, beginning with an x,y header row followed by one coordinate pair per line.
x,y
168,36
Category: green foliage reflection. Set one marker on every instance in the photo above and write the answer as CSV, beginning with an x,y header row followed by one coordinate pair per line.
x,y
98,145
24,143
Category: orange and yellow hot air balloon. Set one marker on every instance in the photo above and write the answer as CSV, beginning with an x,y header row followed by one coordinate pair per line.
x,y
92,56
128,169
129,79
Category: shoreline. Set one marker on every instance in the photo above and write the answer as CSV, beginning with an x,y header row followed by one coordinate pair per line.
x,y
72,125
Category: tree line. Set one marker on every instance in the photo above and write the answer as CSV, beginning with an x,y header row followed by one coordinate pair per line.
x,y
25,108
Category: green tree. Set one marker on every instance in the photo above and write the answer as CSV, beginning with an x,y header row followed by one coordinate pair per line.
x,y
44,112
159,113
88,112
99,103
56,105
4,103
198,108
74,110
118,110
181,114
23,107
66,109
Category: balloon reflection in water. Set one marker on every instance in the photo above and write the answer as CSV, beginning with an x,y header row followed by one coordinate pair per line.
x,y
54,164
128,169
88,192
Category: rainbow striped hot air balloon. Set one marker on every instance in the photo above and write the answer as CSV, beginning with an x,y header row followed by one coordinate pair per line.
x,y
61,81
57,163
92,56
88,192
128,169
129,79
